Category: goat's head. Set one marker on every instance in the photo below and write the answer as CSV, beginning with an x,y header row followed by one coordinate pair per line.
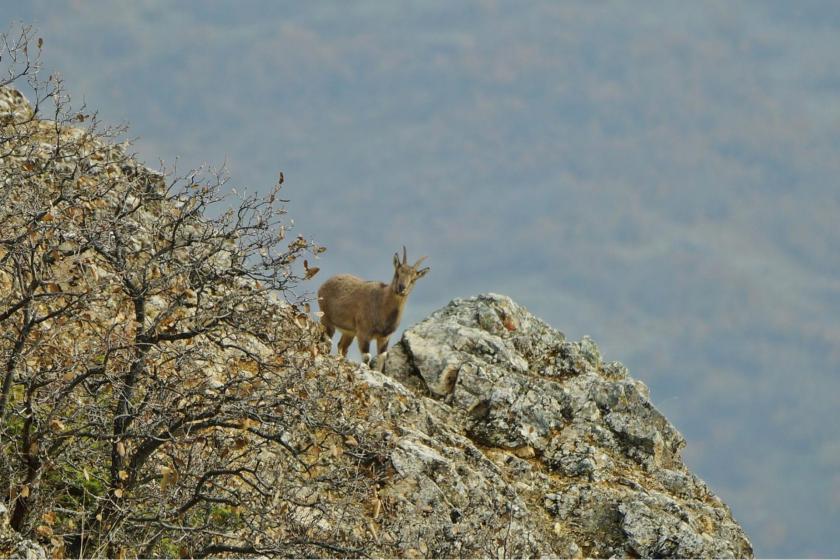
x,y
405,275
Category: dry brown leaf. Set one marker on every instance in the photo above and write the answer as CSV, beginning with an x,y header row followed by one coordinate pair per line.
x,y
169,477
57,547
246,423
44,531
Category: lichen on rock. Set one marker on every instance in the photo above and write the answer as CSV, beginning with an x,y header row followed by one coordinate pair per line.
x,y
14,106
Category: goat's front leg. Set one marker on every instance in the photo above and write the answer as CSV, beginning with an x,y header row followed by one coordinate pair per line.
x,y
364,348
381,348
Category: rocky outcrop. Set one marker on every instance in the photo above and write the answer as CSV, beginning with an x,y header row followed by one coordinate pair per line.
x,y
13,545
514,441
14,107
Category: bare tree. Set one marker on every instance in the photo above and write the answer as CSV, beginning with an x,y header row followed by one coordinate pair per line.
x,y
159,395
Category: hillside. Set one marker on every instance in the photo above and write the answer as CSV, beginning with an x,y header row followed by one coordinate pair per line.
x,y
160,399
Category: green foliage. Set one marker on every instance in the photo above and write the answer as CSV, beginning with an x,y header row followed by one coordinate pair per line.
x,y
225,516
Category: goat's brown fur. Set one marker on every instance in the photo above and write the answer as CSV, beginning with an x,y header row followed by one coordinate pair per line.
x,y
365,309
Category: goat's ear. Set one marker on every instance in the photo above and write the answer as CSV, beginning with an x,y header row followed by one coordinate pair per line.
x,y
422,272
396,260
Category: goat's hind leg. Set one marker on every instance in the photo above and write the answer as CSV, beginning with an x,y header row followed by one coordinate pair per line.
x,y
329,328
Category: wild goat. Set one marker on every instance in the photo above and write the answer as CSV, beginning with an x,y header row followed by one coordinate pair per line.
x,y
367,309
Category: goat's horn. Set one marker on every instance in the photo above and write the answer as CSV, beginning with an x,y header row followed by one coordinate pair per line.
x,y
405,258
421,259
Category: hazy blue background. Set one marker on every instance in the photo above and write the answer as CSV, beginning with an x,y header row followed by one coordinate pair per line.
x,y
660,175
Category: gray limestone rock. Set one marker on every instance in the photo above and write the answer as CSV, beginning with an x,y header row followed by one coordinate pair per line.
x,y
539,431
14,106
13,545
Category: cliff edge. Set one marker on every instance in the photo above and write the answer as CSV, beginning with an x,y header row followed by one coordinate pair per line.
x,y
534,442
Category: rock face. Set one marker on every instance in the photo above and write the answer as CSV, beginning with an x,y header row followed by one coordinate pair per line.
x,y
14,107
13,545
514,441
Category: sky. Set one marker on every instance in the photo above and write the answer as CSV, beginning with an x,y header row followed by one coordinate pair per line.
x,y
662,176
